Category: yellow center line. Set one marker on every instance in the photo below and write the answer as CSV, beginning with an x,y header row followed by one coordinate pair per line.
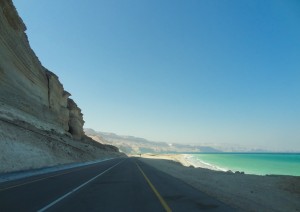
x,y
161,200
40,179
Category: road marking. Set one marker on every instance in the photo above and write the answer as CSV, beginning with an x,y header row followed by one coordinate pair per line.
x,y
55,175
37,180
162,201
76,189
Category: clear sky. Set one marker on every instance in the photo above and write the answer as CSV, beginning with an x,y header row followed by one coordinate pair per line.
x,y
185,71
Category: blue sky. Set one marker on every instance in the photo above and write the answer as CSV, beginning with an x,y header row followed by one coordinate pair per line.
x,y
194,71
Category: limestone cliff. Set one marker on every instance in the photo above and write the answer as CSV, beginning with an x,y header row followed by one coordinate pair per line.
x,y
26,85
39,124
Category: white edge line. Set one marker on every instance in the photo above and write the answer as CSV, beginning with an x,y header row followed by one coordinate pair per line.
x,y
6,177
75,189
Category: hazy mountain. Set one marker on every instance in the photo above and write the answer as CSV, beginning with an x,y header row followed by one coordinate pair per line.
x,y
131,144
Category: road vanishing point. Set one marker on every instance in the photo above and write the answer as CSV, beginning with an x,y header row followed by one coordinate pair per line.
x,y
123,184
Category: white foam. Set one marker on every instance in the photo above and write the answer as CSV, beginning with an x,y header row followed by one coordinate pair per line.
x,y
202,164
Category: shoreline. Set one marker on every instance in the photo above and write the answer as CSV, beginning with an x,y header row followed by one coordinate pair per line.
x,y
184,160
203,164
198,162
245,192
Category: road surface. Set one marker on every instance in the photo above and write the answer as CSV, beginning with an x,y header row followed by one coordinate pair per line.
x,y
124,184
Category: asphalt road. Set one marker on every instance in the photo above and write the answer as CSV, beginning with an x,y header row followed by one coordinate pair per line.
x,y
114,185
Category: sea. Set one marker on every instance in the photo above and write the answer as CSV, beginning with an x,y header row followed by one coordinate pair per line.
x,y
250,163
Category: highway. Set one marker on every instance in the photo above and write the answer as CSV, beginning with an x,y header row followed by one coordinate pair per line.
x,y
124,184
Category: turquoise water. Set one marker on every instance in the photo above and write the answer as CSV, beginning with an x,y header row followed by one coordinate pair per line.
x,y
252,163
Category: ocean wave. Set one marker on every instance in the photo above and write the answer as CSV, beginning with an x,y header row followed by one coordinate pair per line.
x,y
196,162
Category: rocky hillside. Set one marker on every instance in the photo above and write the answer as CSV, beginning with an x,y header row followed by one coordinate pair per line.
x,y
36,113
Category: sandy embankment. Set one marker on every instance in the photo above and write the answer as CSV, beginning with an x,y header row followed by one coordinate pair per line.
x,y
244,192
25,147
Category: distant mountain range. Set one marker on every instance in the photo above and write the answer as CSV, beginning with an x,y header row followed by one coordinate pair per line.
x,y
134,145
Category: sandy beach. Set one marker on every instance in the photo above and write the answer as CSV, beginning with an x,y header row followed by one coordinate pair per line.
x,y
242,191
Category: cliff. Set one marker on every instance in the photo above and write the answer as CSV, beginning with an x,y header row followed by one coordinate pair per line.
x,y
31,97
26,85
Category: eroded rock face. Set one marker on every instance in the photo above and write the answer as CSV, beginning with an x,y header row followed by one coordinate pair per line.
x,y
26,85
75,120
58,100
